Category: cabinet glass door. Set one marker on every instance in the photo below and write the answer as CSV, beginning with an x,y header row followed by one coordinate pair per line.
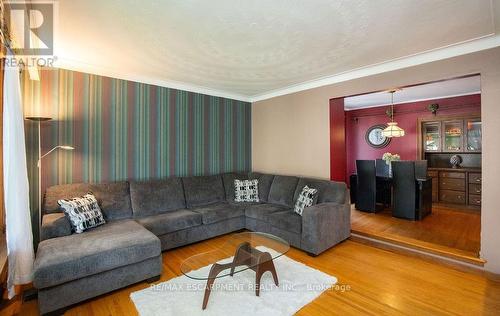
x,y
473,135
453,136
432,136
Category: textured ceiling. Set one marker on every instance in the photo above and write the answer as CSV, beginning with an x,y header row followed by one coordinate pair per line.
x,y
246,48
435,90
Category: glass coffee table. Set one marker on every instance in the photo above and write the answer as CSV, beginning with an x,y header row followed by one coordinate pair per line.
x,y
243,251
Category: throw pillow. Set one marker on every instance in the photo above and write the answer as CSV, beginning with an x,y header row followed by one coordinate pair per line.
x,y
306,198
83,212
246,190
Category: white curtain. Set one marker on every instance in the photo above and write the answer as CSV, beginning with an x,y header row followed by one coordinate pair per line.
x,y
17,211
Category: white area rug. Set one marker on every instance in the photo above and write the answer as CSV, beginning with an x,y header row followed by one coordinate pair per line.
x,y
298,286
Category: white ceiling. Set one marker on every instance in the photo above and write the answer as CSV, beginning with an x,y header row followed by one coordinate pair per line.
x,y
436,90
255,49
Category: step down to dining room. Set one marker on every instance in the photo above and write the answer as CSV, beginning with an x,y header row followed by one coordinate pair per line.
x,y
445,233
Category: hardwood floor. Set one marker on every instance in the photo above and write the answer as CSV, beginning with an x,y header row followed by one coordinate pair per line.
x,y
375,282
452,232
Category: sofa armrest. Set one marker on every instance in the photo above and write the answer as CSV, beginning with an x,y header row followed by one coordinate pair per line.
x,y
325,225
55,225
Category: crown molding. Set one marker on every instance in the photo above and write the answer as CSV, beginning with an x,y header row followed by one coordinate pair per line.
x,y
466,47
75,65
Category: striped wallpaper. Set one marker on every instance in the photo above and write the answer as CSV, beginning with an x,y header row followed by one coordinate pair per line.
x,y
128,130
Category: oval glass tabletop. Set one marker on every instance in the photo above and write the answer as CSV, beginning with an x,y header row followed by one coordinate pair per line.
x,y
242,252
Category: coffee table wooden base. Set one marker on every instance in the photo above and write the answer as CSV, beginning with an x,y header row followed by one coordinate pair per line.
x,y
245,255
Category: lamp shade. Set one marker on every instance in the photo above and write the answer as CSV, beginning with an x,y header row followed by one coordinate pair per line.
x,y
393,130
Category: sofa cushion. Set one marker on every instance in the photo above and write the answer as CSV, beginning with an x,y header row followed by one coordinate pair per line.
x,y
63,191
170,221
113,245
83,212
55,225
228,181
328,191
283,190
156,196
113,197
219,212
203,190
286,220
260,211
244,205
265,181
307,197
246,191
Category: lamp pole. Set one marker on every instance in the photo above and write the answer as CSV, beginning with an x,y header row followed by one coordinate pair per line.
x,y
39,180
39,120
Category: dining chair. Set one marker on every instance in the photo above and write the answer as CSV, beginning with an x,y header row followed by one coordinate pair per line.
x,y
366,186
421,169
382,168
412,197
383,182
353,183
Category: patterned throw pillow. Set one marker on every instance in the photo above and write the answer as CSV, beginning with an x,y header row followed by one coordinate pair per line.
x,y
83,212
306,198
246,190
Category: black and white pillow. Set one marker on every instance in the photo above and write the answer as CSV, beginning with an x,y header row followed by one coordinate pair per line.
x,y
246,190
306,198
83,212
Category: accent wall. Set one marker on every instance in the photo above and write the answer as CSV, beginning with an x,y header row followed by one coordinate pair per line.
x,y
406,115
129,130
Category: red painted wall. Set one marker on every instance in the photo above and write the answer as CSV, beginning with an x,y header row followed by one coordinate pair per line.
x,y
337,140
358,122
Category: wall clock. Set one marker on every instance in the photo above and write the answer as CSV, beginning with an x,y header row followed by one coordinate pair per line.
x,y
375,138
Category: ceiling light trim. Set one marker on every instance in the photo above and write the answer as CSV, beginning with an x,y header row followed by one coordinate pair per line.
x,y
75,65
453,50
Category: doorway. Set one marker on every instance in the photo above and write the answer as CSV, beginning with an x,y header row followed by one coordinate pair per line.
x,y
442,126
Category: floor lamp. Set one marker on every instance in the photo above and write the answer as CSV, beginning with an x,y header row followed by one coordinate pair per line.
x,y
39,120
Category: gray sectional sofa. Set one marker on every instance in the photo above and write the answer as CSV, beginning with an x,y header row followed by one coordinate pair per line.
x,y
144,218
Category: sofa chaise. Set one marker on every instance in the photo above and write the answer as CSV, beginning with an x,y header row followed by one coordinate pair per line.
x,y
145,218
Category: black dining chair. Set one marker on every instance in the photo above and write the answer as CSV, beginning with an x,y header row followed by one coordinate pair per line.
x,y
353,183
421,169
366,186
412,197
383,182
382,168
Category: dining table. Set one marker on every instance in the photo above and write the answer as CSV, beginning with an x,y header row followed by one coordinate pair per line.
x,y
384,185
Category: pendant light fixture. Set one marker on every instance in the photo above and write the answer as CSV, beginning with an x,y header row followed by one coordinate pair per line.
x,y
392,129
